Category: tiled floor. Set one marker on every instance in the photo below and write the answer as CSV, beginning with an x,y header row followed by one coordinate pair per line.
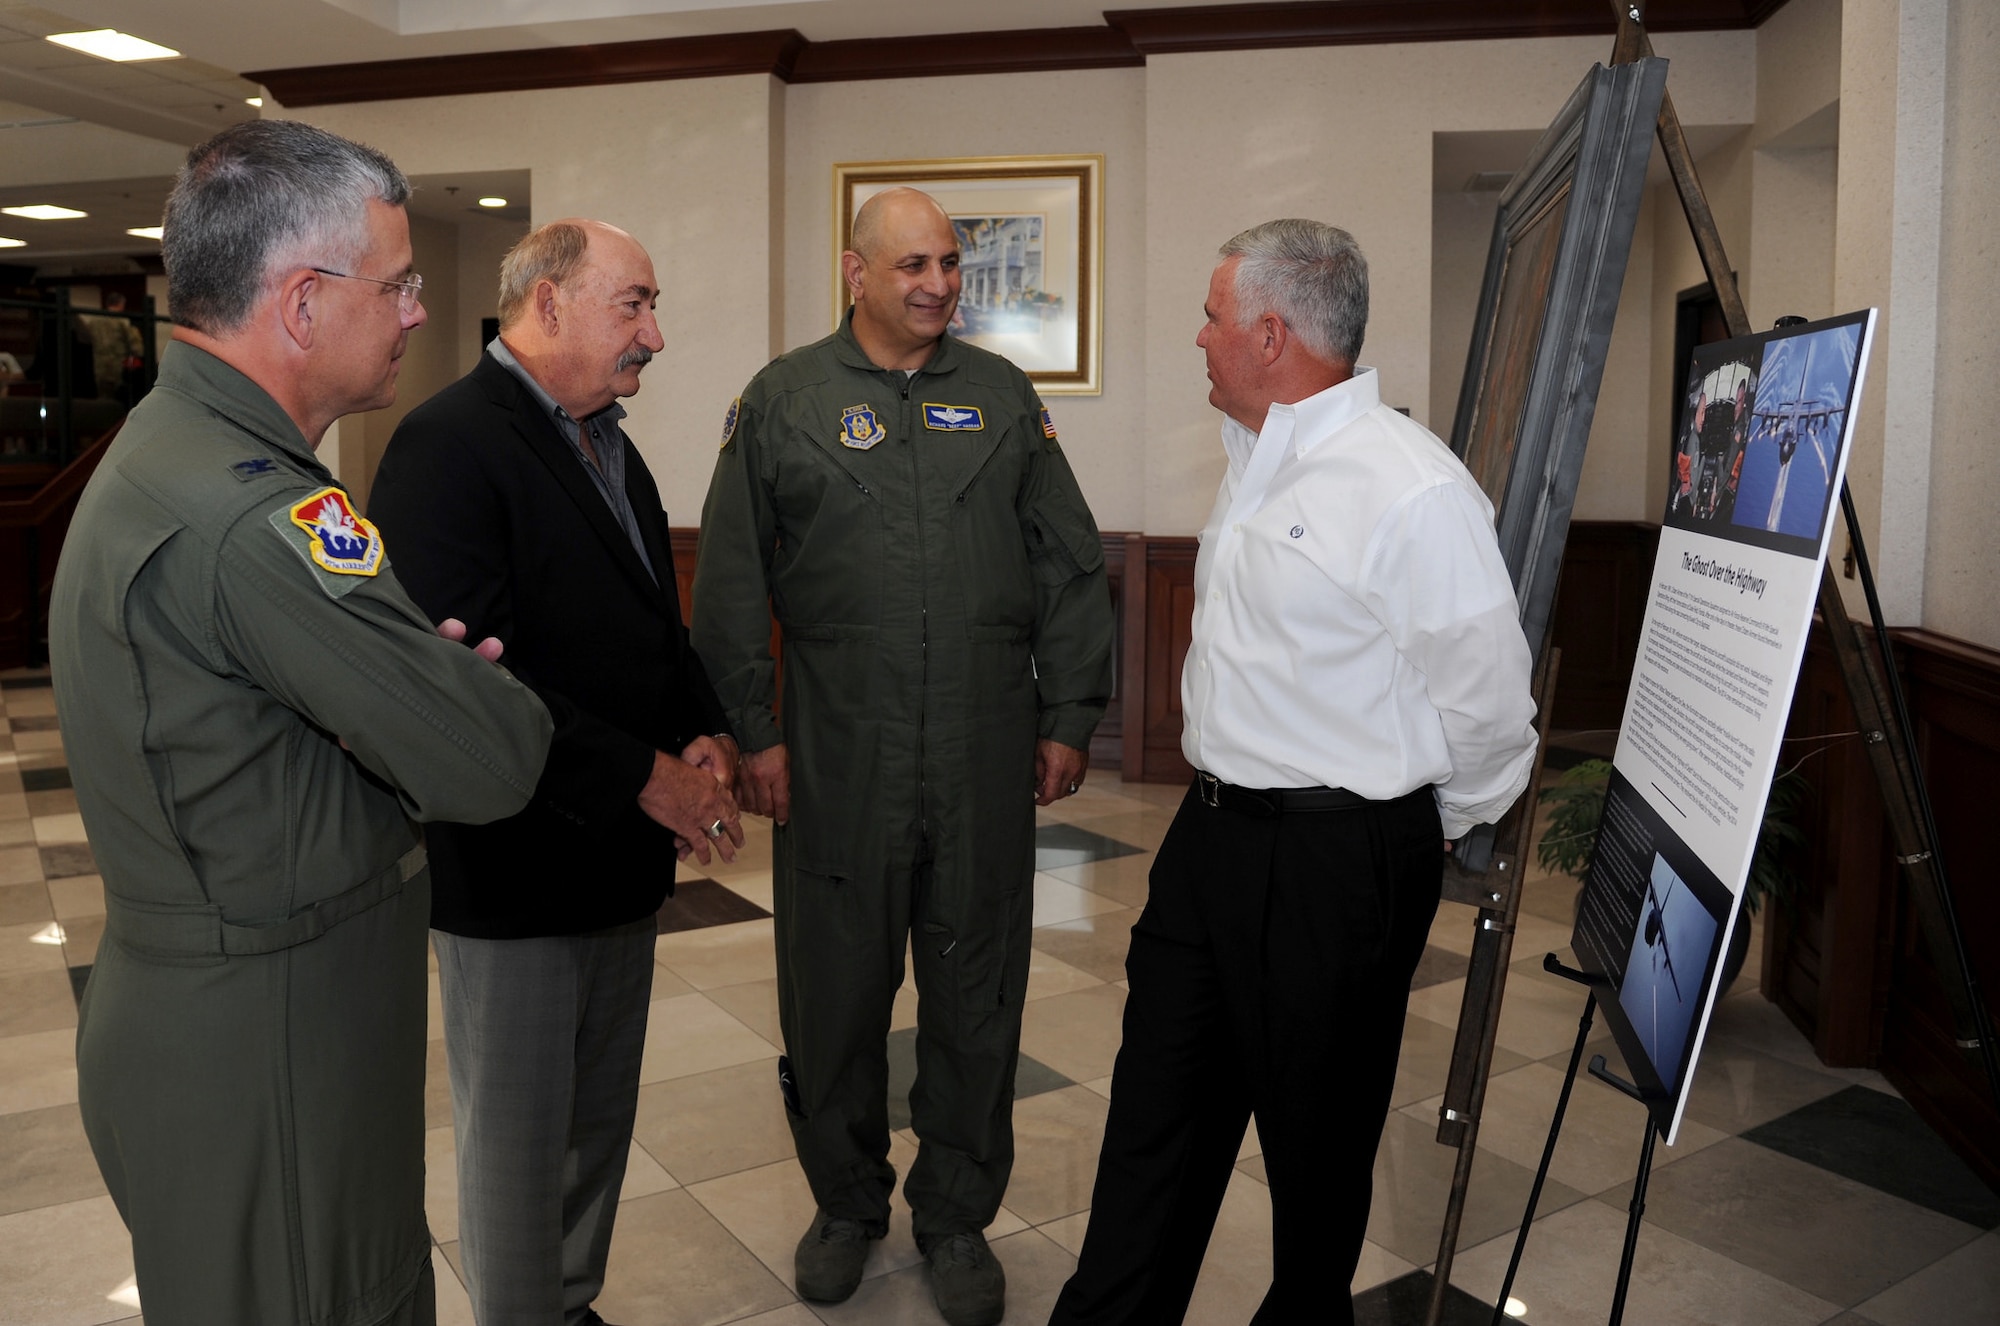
x,y
1797,1193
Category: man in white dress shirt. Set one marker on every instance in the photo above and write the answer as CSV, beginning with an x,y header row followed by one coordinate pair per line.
x,y
1356,694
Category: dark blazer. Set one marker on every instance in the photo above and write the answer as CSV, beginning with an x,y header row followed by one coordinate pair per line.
x,y
488,516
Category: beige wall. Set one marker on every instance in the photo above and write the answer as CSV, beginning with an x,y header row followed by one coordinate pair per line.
x,y
482,242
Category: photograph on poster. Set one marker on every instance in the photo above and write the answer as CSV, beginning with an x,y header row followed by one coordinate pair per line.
x,y
1756,459
1650,925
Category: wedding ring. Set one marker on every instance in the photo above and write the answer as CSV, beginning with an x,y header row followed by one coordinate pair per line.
x,y
714,830
1072,788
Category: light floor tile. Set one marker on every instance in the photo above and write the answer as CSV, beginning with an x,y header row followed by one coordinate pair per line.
x,y
16,829
434,1010
20,865
25,903
1782,1217
1453,928
1424,1066
441,1184
752,886
36,946
78,895
1058,900
1569,1273
1413,1182
666,985
61,1265
1736,1088
688,1035
1050,975
37,1070
721,954
454,1305
1124,879
1746,1019
755,1005
1036,1269
1961,1286
45,1159
672,1264
644,1176
1601,1134
81,936
723,1121
1536,1019
796,1314
1077,1034
54,830
1057,1137
1096,944
1100,1085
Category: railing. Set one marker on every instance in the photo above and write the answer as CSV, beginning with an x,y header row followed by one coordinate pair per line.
x,y
54,405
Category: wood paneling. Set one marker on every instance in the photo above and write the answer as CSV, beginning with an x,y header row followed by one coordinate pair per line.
x,y
1847,960
1607,577
1160,618
1127,38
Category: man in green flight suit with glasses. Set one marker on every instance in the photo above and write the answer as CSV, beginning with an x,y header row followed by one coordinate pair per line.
x,y
898,498
254,713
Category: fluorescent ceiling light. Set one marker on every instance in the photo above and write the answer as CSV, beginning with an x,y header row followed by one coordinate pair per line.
x,y
492,202
44,212
146,232
108,44
258,102
6,243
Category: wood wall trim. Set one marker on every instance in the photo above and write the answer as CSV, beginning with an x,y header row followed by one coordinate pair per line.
x,y
1126,39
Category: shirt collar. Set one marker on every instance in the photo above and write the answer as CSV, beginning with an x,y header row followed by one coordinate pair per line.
x,y
610,414
946,358
1304,424
191,371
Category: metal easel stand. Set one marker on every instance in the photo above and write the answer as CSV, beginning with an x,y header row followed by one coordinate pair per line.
x,y
1636,1210
1873,688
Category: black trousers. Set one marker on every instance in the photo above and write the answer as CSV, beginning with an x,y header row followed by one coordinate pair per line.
x,y
1270,974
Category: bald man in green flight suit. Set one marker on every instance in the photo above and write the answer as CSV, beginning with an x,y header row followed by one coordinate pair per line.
x,y
898,497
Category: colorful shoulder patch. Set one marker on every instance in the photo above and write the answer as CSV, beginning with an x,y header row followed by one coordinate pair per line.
x,y
246,470
952,418
1048,424
325,530
729,421
858,428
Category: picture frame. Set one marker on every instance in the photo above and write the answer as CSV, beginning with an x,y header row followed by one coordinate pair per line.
x,y
1554,269
1031,235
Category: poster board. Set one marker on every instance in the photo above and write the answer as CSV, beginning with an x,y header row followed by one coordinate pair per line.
x,y
1753,489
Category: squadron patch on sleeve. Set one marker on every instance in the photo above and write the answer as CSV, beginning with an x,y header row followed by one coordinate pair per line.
x,y
729,421
1048,424
858,428
326,532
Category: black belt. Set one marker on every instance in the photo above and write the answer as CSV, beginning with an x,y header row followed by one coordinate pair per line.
x,y
1265,802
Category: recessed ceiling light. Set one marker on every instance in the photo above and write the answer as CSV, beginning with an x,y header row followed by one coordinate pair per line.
x,y
109,44
254,101
6,243
492,202
44,212
146,232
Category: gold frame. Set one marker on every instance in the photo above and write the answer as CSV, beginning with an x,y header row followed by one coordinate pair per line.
x,y
1079,371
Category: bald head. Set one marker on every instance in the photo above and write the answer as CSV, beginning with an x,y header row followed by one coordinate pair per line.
x,y
893,212
902,273
553,253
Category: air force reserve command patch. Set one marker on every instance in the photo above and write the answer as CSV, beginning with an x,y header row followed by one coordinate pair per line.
x,y
729,421
858,428
340,545
952,418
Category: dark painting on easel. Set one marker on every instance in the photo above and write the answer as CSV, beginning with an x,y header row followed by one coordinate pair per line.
x,y
1553,273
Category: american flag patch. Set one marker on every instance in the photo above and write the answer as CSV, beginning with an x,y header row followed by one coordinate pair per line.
x,y
1048,425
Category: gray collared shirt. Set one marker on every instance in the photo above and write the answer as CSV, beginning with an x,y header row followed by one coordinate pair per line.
x,y
607,439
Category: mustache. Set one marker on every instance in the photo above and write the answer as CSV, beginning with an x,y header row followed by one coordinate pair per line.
x,y
637,357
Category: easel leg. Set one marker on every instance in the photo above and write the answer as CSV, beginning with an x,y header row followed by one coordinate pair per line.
x,y
1549,963
1633,1216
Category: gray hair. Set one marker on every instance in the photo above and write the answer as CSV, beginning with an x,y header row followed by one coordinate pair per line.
x,y
551,253
1310,274
260,198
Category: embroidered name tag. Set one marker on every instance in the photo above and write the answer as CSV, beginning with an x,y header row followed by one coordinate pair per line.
x,y
858,428
952,418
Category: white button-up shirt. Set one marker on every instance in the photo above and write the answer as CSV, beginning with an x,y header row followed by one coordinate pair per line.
x,y
1354,624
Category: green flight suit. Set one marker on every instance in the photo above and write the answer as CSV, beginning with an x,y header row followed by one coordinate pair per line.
x,y
940,585
250,1051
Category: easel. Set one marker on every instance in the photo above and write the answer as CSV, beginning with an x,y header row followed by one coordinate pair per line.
x,y
1875,693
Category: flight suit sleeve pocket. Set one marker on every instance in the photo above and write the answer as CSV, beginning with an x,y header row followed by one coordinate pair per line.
x,y
1060,546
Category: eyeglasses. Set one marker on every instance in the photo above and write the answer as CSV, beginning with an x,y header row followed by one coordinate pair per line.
x,y
408,290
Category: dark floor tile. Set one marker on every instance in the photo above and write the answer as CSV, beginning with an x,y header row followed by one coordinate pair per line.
x,y
1060,845
700,903
37,723
1878,1140
40,780
68,859
1406,1301
40,683
1437,966
1031,1077
78,978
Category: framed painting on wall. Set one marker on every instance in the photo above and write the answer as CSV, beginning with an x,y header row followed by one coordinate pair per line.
x,y
1031,242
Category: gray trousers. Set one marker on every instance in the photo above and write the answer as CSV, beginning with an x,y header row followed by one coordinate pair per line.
x,y
544,1038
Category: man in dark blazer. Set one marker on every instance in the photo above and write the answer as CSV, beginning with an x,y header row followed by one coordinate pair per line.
x,y
516,503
